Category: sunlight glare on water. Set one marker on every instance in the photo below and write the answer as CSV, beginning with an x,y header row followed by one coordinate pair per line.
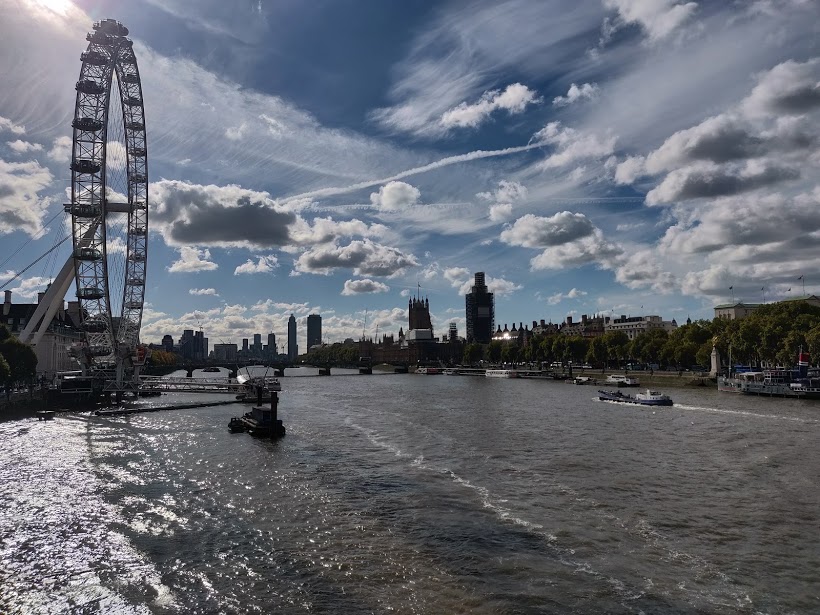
x,y
417,494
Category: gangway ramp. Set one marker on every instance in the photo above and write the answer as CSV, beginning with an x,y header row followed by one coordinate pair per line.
x,y
156,384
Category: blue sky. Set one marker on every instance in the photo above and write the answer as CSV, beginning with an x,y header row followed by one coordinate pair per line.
x,y
626,156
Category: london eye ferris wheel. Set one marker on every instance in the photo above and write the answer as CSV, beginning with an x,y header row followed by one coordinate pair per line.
x,y
109,198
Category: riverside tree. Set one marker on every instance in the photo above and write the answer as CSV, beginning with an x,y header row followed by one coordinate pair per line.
x,y
5,371
21,360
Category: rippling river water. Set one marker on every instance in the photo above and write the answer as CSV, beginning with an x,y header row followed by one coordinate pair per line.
x,y
418,494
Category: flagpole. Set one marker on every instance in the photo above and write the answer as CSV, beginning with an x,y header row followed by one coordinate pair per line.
x,y
732,288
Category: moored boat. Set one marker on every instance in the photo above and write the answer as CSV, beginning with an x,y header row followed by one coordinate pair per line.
x,y
429,371
501,373
622,381
775,382
253,387
649,398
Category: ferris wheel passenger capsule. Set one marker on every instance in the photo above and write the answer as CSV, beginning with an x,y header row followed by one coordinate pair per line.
x,y
85,165
87,124
89,86
90,292
94,58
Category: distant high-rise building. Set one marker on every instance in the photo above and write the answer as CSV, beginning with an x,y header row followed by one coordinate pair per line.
x,y
480,307
200,346
256,347
293,347
186,344
225,352
245,345
314,330
272,345
168,343
453,332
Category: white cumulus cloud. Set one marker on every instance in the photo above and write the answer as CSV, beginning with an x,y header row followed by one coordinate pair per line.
x,y
395,196
572,145
573,293
576,93
192,260
263,264
6,125
514,99
61,149
21,206
24,147
658,18
363,286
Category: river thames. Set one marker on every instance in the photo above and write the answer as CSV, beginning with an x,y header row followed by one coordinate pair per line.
x,y
418,494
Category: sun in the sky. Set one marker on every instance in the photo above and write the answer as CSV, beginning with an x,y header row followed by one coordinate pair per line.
x,y
58,6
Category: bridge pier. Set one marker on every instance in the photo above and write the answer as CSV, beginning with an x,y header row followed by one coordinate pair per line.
x,y
324,371
400,369
233,374
279,372
190,371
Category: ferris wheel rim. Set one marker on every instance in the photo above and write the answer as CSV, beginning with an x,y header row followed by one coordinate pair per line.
x,y
109,54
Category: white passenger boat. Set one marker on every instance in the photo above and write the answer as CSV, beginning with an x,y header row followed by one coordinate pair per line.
x,y
649,398
251,387
501,373
622,381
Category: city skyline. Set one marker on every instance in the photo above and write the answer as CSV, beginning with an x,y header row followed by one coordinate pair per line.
x,y
589,157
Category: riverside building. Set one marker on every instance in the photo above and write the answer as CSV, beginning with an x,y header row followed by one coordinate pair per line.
x,y
293,347
633,326
63,332
314,330
480,308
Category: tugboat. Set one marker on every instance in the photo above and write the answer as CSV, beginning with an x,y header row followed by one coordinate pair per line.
x,y
235,425
261,421
650,398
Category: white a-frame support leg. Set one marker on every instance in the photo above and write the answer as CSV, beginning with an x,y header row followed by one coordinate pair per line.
x,y
49,304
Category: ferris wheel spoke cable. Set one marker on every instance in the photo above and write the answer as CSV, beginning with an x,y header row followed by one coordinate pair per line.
x,y
38,235
37,260
51,262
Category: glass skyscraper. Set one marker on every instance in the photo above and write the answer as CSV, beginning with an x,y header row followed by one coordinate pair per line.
x,y
293,347
314,330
